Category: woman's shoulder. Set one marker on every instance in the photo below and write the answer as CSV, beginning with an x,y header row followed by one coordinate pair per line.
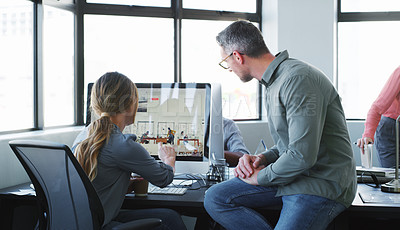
x,y
126,144
124,147
81,136
123,140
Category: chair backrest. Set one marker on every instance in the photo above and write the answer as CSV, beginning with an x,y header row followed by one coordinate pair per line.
x,y
67,198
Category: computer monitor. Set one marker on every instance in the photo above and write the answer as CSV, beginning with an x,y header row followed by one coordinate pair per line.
x,y
215,135
173,113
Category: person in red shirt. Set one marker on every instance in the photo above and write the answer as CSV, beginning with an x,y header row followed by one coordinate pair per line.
x,y
381,121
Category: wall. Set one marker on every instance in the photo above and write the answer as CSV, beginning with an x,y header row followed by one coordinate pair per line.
x,y
11,170
253,132
356,129
307,29
12,173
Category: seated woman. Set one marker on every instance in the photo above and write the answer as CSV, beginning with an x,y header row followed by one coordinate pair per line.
x,y
109,157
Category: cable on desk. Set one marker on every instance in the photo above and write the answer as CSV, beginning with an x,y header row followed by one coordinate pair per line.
x,y
199,178
374,178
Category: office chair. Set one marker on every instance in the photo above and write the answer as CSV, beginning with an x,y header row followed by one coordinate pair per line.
x,y
66,197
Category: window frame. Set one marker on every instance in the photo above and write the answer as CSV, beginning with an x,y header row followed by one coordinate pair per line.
x,y
81,8
178,13
360,17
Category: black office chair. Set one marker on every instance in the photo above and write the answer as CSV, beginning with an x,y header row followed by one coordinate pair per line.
x,y
66,197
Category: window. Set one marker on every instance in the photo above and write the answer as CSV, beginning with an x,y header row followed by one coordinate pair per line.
x,y
51,50
200,58
162,3
131,43
370,5
130,48
58,67
367,54
139,47
223,5
16,58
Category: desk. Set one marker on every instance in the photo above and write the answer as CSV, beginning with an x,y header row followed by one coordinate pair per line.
x,y
17,211
191,204
374,210
359,215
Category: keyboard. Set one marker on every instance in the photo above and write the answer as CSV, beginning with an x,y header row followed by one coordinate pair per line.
x,y
167,190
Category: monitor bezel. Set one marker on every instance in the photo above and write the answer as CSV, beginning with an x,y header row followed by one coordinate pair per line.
x,y
206,86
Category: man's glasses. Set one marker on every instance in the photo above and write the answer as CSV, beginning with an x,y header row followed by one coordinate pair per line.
x,y
223,63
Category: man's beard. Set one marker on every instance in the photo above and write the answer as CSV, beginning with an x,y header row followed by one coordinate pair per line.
x,y
246,78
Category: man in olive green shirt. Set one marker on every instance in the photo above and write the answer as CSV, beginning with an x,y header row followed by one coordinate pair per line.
x,y
311,169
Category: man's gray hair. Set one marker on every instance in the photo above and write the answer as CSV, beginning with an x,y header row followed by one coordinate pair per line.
x,y
244,37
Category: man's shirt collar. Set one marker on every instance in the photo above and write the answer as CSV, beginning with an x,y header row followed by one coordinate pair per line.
x,y
268,76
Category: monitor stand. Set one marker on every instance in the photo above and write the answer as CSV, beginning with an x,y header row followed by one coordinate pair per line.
x,y
191,167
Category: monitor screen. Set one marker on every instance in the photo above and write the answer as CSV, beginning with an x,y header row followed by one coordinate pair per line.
x,y
172,113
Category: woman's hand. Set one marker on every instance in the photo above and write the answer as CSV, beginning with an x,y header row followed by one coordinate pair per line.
x,y
363,141
167,154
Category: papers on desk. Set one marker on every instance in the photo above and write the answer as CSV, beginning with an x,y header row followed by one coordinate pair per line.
x,y
378,171
177,187
183,182
22,192
383,198
178,182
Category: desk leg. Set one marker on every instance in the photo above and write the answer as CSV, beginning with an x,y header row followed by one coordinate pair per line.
x,y
204,221
6,214
18,214
341,222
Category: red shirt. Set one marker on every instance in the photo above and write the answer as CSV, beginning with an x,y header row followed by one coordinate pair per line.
x,y
387,104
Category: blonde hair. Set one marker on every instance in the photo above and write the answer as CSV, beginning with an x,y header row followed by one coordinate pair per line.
x,y
112,93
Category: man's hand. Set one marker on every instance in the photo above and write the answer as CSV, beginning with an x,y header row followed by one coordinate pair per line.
x,y
253,178
247,165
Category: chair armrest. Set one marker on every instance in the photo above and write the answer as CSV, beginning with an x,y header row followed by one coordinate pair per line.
x,y
142,224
